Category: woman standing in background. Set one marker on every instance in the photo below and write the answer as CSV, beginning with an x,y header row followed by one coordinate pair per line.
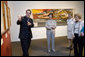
x,y
70,22
78,24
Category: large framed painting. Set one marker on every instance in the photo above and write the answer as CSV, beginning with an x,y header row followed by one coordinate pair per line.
x,y
40,16
2,20
6,15
9,17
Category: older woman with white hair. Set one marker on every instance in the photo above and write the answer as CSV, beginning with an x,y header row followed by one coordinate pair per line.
x,y
76,35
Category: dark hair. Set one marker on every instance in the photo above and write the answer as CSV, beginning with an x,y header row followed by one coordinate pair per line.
x,y
70,14
28,10
51,14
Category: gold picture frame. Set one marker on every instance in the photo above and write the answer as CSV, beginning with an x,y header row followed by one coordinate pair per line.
x,y
9,17
5,15
5,23
2,19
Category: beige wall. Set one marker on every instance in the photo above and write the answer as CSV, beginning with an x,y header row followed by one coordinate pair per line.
x,y
19,7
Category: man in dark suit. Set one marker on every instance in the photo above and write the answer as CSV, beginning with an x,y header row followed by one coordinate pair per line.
x,y
25,35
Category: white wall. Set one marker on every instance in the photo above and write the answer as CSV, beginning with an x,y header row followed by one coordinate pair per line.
x,y
19,8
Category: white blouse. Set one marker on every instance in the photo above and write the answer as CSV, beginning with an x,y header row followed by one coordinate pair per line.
x,y
70,23
76,27
50,23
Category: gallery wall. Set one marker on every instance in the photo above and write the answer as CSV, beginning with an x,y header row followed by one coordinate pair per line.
x,y
19,8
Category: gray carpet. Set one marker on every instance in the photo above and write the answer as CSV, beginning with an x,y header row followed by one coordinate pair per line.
x,y
39,48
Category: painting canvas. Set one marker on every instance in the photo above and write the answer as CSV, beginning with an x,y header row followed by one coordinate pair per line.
x,y
5,11
2,21
40,16
9,17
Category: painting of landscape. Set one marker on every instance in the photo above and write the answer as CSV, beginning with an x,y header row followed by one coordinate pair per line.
x,y
40,16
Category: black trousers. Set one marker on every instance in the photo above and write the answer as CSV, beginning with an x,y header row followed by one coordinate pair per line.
x,y
82,45
78,45
25,44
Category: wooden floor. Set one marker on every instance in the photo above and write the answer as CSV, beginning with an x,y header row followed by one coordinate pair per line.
x,y
39,48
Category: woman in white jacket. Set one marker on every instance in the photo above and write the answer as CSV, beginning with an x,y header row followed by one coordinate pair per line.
x,y
70,22
78,24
